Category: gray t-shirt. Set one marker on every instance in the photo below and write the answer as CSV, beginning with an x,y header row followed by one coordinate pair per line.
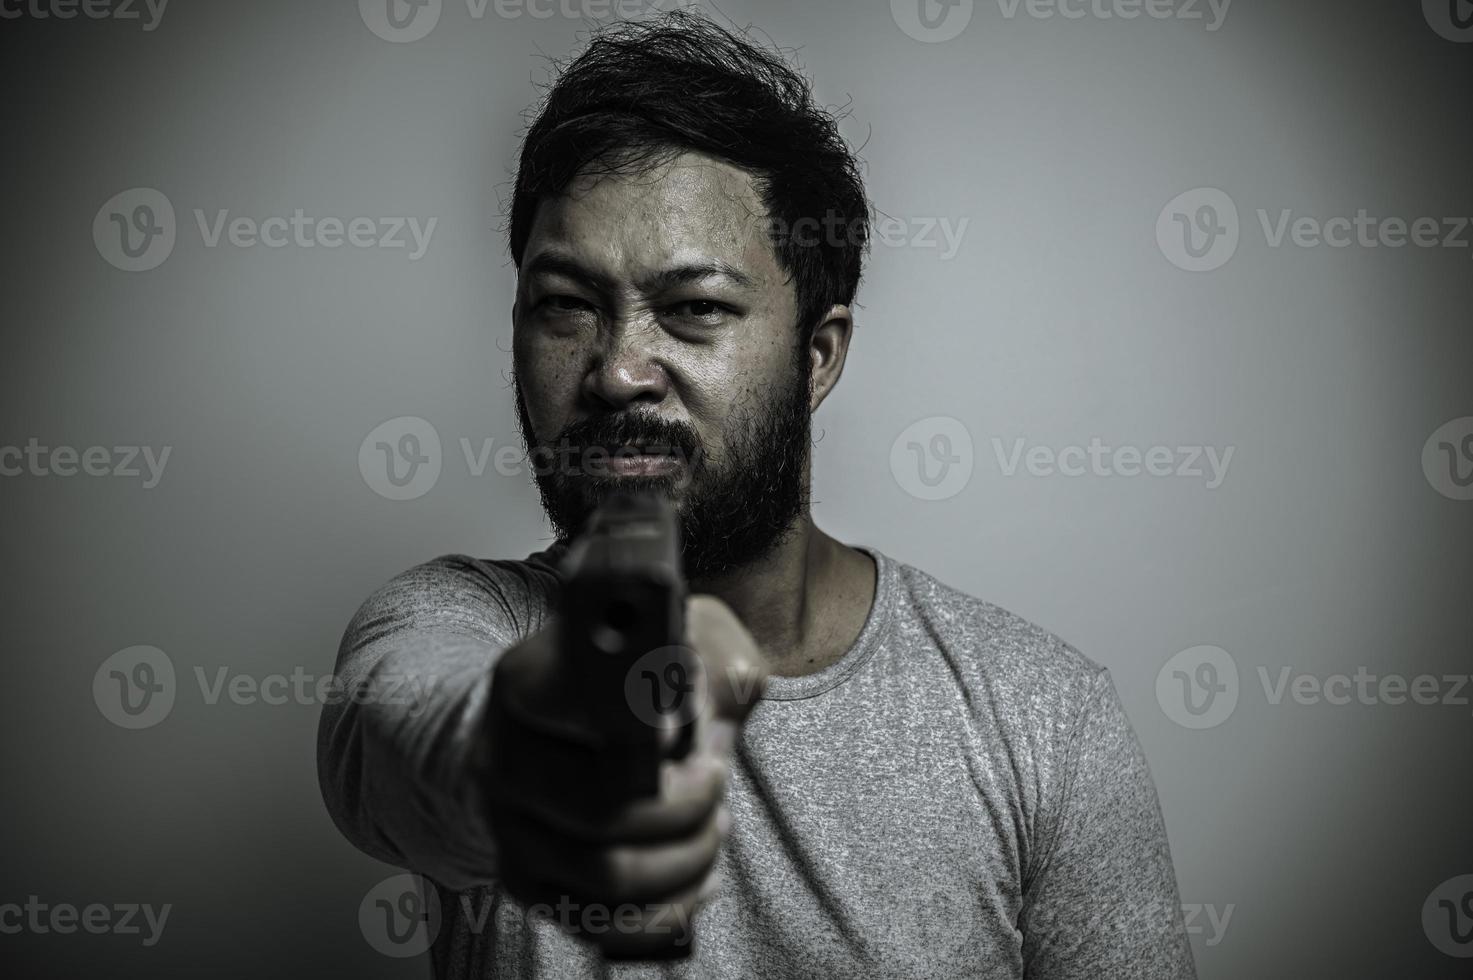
x,y
960,795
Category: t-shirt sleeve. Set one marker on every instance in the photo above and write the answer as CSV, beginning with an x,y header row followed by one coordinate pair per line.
x,y
396,742
1103,902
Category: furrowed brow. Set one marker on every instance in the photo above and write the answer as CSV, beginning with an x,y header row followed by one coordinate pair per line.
x,y
685,275
559,264
553,263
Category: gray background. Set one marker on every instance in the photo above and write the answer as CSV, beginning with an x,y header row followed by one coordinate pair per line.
x,y
1058,320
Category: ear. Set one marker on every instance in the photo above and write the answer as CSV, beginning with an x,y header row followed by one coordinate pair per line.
x,y
827,349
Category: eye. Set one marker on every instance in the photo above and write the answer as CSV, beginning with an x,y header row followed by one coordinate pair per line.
x,y
562,303
699,309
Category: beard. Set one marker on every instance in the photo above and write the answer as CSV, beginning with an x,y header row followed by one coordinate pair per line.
x,y
733,510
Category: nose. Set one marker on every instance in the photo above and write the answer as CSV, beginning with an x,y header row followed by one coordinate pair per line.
x,y
624,370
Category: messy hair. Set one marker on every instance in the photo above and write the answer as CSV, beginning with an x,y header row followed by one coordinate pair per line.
x,y
642,92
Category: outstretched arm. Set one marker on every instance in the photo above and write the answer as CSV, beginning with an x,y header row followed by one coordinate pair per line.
x,y
395,747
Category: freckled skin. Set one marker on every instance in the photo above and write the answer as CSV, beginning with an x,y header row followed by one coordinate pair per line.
x,y
605,338
692,210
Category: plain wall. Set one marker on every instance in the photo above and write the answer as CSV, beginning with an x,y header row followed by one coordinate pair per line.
x,y
1323,829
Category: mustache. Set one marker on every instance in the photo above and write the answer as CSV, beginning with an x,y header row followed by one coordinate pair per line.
x,y
648,432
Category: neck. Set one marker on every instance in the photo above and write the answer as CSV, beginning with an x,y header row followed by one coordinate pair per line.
x,y
804,603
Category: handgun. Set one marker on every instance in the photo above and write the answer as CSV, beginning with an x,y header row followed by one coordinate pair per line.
x,y
621,631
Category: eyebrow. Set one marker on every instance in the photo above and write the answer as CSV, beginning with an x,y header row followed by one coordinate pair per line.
x,y
562,264
683,275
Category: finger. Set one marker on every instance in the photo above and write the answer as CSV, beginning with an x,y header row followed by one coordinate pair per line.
x,y
529,682
609,875
706,890
662,930
690,792
735,671
648,931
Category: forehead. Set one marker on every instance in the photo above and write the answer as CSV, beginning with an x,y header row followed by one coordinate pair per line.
x,y
689,209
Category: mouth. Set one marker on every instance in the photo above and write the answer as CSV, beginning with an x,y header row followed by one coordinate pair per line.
x,y
638,459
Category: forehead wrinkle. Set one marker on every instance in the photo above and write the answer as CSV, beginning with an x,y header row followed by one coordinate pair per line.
x,y
688,213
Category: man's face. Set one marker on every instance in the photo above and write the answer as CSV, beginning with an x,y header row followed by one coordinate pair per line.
x,y
656,347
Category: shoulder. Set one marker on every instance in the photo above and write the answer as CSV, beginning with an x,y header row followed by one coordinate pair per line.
x,y
502,599
988,638
1033,704
1027,677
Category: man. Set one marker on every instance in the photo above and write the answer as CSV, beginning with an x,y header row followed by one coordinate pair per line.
x,y
891,778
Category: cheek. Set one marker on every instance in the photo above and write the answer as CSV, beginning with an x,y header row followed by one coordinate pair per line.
x,y
710,382
549,384
730,387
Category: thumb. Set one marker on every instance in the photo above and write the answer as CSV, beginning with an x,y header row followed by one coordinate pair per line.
x,y
734,667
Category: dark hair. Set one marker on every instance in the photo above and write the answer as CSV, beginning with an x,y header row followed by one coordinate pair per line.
x,y
641,92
